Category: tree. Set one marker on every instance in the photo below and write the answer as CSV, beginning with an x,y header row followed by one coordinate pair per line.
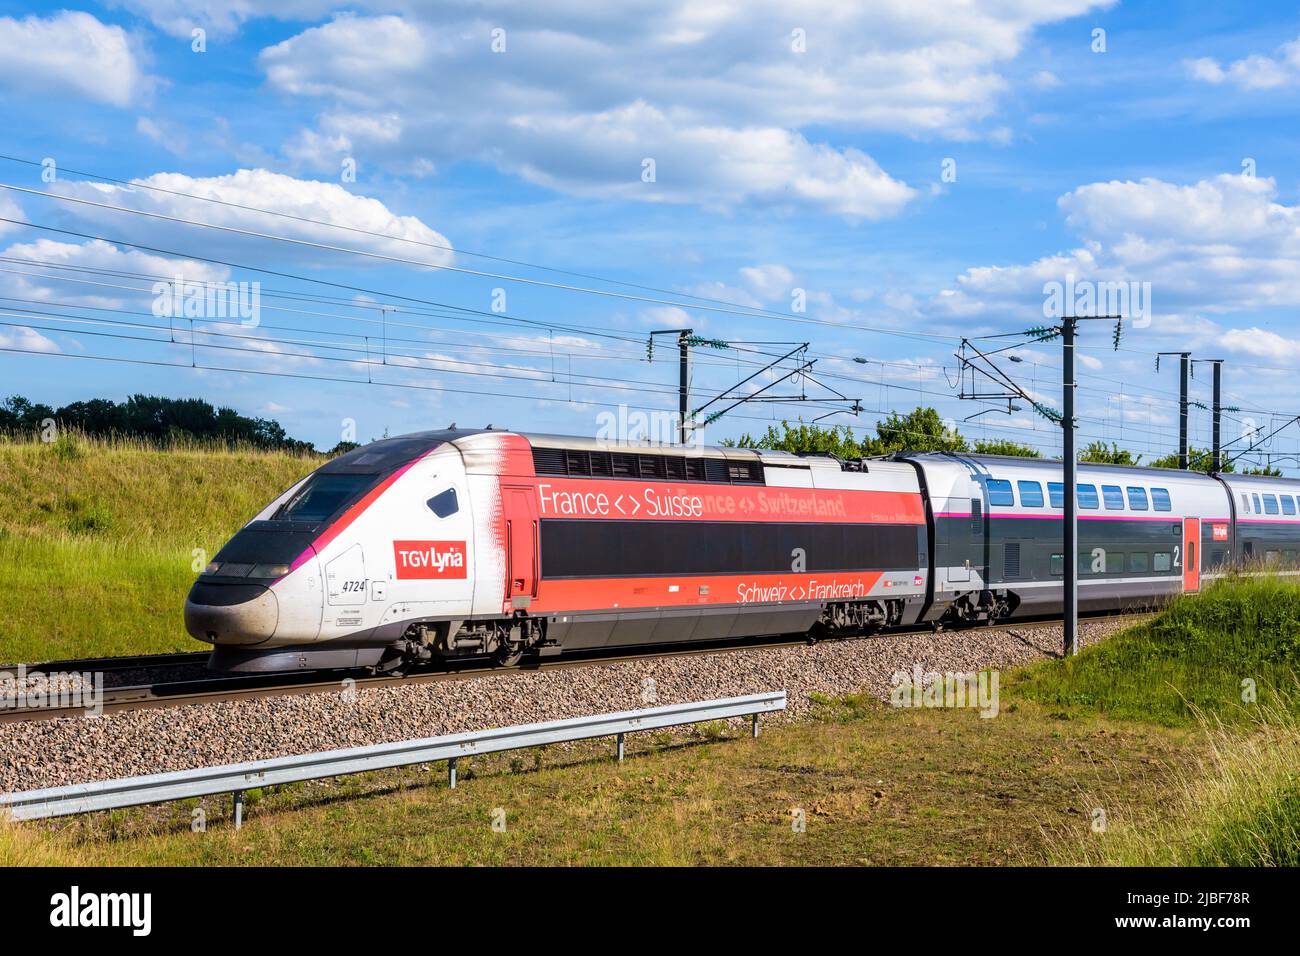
x,y
1198,459
804,438
919,430
1099,453
162,421
1004,446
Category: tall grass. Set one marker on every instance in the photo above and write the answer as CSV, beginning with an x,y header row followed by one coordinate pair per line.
x,y
1237,805
187,494
100,538
1225,662
1204,653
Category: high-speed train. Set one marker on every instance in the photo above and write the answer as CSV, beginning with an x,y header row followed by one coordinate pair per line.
x,y
479,543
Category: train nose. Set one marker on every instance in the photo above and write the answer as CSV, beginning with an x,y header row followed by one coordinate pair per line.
x,y
231,613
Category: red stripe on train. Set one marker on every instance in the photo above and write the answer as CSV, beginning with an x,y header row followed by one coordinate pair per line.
x,y
637,500
559,596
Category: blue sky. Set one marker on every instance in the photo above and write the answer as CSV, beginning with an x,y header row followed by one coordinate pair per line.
x,y
795,147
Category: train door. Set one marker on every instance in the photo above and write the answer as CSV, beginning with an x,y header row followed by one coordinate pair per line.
x,y
522,545
1191,554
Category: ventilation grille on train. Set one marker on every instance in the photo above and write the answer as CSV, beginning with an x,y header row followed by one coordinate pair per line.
x,y
1011,560
605,464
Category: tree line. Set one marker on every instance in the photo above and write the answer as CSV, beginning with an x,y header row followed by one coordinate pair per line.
x,y
151,418
923,430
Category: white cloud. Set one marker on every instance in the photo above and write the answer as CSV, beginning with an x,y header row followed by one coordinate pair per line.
x,y
716,94
221,17
262,189
1220,245
1261,343
70,53
42,258
768,282
9,209
26,339
1254,72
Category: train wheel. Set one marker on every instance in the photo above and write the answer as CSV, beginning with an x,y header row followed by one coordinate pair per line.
x,y
508,655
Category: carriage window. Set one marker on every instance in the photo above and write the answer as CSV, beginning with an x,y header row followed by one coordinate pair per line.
x,y
1031,494
1270,504
1245,503
1288,504
1056,494
1114,562
1138,561
1161,561
1113,497
1087,496
1058,564
1160,499
1259,508
1000,493
444,504
1137,498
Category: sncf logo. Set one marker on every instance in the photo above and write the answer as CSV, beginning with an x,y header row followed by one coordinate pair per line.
x,y
423,560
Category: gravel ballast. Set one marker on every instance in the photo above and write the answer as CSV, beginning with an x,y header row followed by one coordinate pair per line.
x,y
50,753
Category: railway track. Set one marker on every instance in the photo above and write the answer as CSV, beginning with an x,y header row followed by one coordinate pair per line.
x,y
217,689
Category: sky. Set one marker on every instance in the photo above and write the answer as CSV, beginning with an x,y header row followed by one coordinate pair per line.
x,y
478,212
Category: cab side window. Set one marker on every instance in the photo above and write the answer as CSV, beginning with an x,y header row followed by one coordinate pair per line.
x,y
444,504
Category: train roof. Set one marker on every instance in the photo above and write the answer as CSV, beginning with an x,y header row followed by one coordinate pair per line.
x,y
1047,464
1055,464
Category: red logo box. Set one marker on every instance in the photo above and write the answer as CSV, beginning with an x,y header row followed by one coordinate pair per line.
x,y
429,560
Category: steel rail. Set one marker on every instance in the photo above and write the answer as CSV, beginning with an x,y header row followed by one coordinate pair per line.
x,y
222,689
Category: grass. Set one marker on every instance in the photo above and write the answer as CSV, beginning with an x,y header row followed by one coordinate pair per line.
x,y
101,539
875,785
1236,804
1204,654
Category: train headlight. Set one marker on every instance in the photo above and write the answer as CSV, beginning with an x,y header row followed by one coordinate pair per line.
x,y
212,568
269,571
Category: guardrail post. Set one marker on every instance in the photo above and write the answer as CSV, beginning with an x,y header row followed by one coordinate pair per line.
x,y
619,743
753,725
239,808
451,773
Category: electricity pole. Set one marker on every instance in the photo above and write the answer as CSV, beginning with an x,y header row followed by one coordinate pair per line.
x,y
983,365
685,337
683,386
1070,543
1184,369
1216,429
1183,366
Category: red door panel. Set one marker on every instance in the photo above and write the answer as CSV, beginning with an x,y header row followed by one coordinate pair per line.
x,y
1191,554
520,507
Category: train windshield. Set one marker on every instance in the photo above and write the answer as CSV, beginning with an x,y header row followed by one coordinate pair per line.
x,y
322,496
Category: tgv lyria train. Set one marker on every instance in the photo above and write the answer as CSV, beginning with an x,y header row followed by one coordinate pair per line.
x,y
448,544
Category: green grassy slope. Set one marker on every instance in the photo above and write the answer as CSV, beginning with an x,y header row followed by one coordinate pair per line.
x,y
99,540
1203,653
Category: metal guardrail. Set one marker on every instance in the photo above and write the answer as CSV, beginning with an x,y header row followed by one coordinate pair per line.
x,y
236,778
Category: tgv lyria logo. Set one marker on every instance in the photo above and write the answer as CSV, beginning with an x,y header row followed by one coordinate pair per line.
x,y
424,560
